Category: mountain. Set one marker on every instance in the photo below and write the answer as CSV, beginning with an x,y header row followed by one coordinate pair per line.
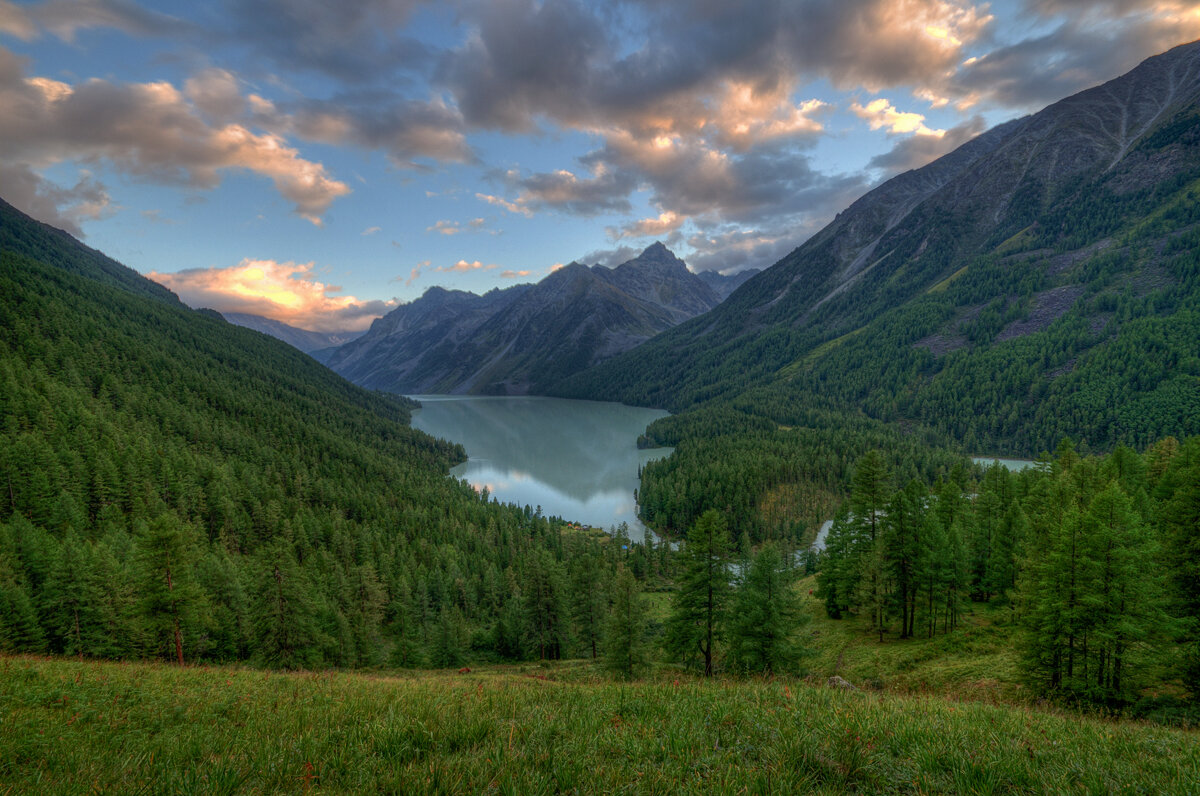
x,y
1039,281
724,285
307,341
518,340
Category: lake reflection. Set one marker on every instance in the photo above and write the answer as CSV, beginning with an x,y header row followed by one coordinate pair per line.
x,y
575,459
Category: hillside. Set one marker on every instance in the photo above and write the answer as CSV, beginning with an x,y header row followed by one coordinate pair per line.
x,y
304,339
175,486
1039,281
523,338
121,728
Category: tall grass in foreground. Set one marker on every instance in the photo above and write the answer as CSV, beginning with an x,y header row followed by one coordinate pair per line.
x,y
70,727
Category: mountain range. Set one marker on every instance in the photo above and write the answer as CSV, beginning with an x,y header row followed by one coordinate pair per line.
x,y
1000,293
527,337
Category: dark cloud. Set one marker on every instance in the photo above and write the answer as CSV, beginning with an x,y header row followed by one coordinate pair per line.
x,y
353,41
557,59
610,258
915,151
729,249
404,129
1084,50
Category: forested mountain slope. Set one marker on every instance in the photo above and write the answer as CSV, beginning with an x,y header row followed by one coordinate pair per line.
x,y
526,337
1039,281
172,485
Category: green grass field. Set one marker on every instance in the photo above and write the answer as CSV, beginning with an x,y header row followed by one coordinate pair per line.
x,y
71,727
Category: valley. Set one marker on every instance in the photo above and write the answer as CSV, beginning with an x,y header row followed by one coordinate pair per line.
x,y
558,535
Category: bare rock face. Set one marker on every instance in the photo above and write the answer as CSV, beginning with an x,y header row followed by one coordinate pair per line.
x,y
840,683
514,341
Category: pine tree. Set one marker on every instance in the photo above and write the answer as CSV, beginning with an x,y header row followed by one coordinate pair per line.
x,y
545,610
766,617
285,626
1180,520
172,602
702,592
625,628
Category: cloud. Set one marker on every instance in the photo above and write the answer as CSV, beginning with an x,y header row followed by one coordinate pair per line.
x,y
370,231
915,151
1091,43
404,129
511,207
65,208
729,249
414,273
462,267
283,291
353,41
456,227
15,21
666,223
149,131
511,274
880,113
65,18
605,191
156,217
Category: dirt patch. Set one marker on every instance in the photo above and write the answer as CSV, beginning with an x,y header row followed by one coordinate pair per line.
x,y
1064,262
941,344
1048,306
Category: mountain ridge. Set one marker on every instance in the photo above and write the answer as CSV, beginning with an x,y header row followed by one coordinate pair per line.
x,y
517,340
1045,221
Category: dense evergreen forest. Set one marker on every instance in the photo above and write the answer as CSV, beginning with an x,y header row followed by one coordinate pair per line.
x,y
173,486
1096,557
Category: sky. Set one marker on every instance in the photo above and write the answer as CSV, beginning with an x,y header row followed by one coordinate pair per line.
x,y
321,163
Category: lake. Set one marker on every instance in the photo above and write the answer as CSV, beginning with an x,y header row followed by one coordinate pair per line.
x,y
1015,465
576,459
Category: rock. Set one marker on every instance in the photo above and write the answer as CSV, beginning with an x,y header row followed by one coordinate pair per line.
x,y
838,682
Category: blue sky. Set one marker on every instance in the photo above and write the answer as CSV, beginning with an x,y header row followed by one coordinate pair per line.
x,y
319,163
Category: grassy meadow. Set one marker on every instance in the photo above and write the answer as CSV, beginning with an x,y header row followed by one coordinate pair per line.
x,y
87,727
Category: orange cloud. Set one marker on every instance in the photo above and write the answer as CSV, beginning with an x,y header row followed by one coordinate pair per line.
x,y
511,274
455,227
160,133
512,207
285,291
667,222
462,267
880,113
746,115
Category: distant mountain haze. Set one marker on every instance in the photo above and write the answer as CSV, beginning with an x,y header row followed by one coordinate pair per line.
x,y
307,341
518,340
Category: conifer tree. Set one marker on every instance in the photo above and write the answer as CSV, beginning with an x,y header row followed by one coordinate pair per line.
x,y
766,617
286,628
625,627
171,600
702,592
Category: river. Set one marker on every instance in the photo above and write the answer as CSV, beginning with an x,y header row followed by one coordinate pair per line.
x,y
575,459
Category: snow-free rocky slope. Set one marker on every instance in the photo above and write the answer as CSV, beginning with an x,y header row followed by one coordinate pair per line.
x,y
515,341
1000,286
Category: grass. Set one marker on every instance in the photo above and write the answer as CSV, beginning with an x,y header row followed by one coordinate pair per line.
x,y
71,727
940,287
977,661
